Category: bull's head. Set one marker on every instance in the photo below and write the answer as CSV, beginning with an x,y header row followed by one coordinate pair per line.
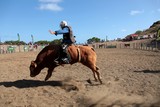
x,y
34,69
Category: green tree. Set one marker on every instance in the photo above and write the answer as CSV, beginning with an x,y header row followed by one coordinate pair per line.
x,y
15,42
56,41
138,32
93,40
42,42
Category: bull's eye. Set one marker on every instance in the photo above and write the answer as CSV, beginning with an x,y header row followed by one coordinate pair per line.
x,y
32,68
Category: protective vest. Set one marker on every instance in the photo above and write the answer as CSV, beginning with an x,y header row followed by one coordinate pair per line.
x,y
69,36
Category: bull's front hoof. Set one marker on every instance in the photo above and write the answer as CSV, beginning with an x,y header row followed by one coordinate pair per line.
x,y
100,81
32,76
45,79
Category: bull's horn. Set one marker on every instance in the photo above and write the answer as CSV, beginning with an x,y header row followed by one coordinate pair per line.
x,y
33,63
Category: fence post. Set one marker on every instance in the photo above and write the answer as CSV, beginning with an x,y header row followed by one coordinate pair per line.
x,y
156,46
152,47
133,45
140,45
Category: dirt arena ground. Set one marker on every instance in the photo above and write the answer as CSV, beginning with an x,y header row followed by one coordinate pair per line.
x,y
131,78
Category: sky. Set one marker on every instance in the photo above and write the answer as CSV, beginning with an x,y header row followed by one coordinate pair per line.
x,y
109,19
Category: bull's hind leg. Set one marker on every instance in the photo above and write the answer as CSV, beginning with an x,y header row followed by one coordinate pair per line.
x,y
96,73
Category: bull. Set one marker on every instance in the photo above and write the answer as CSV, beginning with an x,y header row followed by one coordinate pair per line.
x,y
83,54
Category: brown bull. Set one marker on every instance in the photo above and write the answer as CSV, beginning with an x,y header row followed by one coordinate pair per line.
x,y
83,54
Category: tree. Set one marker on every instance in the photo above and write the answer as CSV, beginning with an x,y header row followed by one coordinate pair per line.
x,y
138,32
42,42
56,41
93,40
45,42
15,42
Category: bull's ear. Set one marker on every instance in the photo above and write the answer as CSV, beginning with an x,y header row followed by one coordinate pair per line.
x,y
34,64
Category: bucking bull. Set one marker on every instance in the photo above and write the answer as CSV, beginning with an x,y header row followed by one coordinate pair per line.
x,y
83,54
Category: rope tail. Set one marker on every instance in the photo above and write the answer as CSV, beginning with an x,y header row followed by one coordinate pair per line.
x,y
79,54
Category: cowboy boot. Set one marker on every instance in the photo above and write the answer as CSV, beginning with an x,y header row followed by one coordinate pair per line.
x,y
57,61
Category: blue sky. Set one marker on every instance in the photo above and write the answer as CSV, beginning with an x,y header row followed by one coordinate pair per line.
x,y
88,18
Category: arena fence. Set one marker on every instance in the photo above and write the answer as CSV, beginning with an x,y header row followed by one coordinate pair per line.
x,y
152,46
4,49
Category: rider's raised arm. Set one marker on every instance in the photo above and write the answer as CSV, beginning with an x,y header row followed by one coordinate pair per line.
x,y
51,32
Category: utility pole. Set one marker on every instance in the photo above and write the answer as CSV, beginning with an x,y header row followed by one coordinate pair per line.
x,y
18,41
0,46
32,39
106,38
18,37
32,46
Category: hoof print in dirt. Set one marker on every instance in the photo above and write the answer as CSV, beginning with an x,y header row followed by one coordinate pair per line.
x,y
69,88
89,81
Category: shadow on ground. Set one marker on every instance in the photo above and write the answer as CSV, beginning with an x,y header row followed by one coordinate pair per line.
x,y
30,83
68,86
148,71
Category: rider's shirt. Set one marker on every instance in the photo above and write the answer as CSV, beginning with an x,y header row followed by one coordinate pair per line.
x,y
65,30
68,37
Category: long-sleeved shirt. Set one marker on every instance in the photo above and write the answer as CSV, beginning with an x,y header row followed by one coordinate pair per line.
x,y
63,31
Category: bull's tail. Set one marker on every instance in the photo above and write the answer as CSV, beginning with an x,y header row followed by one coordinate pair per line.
x,y
92,49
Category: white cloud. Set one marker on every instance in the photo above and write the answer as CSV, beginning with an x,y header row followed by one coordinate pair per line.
x,y
50,1
123,30
51,5
135,12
